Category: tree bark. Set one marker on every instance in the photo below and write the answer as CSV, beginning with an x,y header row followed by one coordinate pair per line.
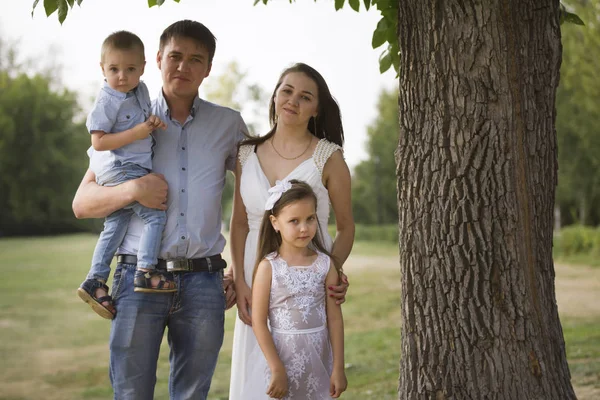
x,y
477,167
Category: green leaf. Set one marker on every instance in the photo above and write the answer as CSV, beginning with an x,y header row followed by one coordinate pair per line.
x,y
367,4
160,2
385,61
339,4
79,2
570,18
63,9
380,33
354,4
151,3
50,6
71,3
35,3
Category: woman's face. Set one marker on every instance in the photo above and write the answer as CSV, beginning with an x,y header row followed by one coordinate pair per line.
x,y
296,100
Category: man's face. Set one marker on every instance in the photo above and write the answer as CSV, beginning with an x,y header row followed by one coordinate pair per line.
x,y
184,64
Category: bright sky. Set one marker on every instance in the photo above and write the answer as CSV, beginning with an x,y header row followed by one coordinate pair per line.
x,y
262,39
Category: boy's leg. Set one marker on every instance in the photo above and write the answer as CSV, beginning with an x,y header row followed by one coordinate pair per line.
x,y
195,335
135,337
149,247
115,227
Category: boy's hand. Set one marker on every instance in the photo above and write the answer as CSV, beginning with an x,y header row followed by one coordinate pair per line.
x,y
278,386
155,123
337,384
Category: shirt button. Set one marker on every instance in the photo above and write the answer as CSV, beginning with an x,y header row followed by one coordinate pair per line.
x,y
183,169
183,148
183,237
182,190
181,214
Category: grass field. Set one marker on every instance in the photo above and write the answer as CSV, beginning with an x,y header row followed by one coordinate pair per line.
x,y
53,347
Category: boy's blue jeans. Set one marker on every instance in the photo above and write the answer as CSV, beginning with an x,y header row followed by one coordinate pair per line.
x,y
115,226
194,316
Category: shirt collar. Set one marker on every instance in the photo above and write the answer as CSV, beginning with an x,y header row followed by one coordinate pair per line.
x,y
119,95
164,107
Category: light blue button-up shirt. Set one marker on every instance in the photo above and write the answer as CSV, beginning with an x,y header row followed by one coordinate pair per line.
x,y
194,158
115,111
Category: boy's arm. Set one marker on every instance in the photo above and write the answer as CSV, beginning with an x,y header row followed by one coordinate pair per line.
x,y
102,141
335,325
95,201
261,290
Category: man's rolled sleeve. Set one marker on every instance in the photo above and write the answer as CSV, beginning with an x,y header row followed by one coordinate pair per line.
x,y
241,134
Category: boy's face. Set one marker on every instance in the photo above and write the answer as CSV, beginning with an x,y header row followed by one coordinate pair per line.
x,y
184,63
123,68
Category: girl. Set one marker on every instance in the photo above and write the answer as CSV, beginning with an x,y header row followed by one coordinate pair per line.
x,y
293,269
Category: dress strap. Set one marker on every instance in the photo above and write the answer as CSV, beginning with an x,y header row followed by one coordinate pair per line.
x,y
323,151
244,152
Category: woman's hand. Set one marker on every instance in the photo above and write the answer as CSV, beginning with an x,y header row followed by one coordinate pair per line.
x,y
244,301
339,291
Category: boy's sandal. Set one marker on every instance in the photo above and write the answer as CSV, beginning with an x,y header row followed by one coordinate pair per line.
x,y
87,293
142,282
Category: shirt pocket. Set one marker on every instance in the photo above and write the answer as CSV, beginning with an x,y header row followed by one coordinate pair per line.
x,y
128,119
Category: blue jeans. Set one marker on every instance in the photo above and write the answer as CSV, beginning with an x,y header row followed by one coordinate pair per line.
x,y
115,227
194,316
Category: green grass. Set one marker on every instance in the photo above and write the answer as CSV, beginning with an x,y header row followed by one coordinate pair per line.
x,y
54,347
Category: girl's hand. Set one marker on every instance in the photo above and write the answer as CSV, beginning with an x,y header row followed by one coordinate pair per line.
x,y
337,384
339,291
278,386
244,301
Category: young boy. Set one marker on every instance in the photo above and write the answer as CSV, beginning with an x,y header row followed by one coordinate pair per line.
x,y
120,125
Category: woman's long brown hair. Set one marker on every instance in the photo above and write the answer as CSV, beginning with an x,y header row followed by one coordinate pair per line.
x,y
269,241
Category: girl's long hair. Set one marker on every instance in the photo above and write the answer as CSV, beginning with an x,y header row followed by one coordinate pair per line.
x,y
269,241
328,123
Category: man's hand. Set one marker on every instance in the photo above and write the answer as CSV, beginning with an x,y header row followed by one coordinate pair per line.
x,y
244,302
339,291
229,289
150,191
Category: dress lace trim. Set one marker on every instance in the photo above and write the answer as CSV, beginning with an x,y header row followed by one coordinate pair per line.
x,y
323,151
244,152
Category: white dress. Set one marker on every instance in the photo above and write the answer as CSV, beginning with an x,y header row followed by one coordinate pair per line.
x,y
254,187
298,322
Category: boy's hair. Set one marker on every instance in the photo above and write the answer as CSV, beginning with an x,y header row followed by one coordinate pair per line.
x,y
193,30
122,40
269,240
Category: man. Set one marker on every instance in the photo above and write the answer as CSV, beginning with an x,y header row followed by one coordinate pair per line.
x,y
193,153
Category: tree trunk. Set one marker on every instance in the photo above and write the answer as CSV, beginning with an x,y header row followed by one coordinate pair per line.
x,y
477,167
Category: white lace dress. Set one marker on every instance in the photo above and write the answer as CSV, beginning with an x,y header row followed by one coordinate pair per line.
x,y
254,187
298,323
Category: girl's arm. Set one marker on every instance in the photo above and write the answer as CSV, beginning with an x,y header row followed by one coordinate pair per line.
x,y
95,201
237,236
335,325
337,181
261,290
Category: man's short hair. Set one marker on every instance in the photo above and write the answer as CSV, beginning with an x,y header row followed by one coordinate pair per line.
x,y
193,30
122,40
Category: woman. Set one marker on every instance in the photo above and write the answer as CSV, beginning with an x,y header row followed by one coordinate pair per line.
x,y
305,143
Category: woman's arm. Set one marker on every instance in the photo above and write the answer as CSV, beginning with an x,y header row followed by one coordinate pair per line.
x,y
237,237
336,176
95,201
261,291
335,325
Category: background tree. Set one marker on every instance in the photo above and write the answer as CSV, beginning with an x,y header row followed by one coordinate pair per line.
x,y
42,151
374,199
578,119
477,169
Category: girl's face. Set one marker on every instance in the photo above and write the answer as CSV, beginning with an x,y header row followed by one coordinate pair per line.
x,y
297,222
296,99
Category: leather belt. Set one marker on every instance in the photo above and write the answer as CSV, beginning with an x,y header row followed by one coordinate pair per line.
x,y
204,264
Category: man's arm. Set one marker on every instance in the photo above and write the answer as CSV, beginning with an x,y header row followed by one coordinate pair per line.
x,y
95,201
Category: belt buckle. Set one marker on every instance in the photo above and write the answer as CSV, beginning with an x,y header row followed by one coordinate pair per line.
x,y
179,264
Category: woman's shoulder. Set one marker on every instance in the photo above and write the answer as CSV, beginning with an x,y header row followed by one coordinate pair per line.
x,y
244,152
324,150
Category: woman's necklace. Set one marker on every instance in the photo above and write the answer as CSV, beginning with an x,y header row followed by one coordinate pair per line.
x,y
290,158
